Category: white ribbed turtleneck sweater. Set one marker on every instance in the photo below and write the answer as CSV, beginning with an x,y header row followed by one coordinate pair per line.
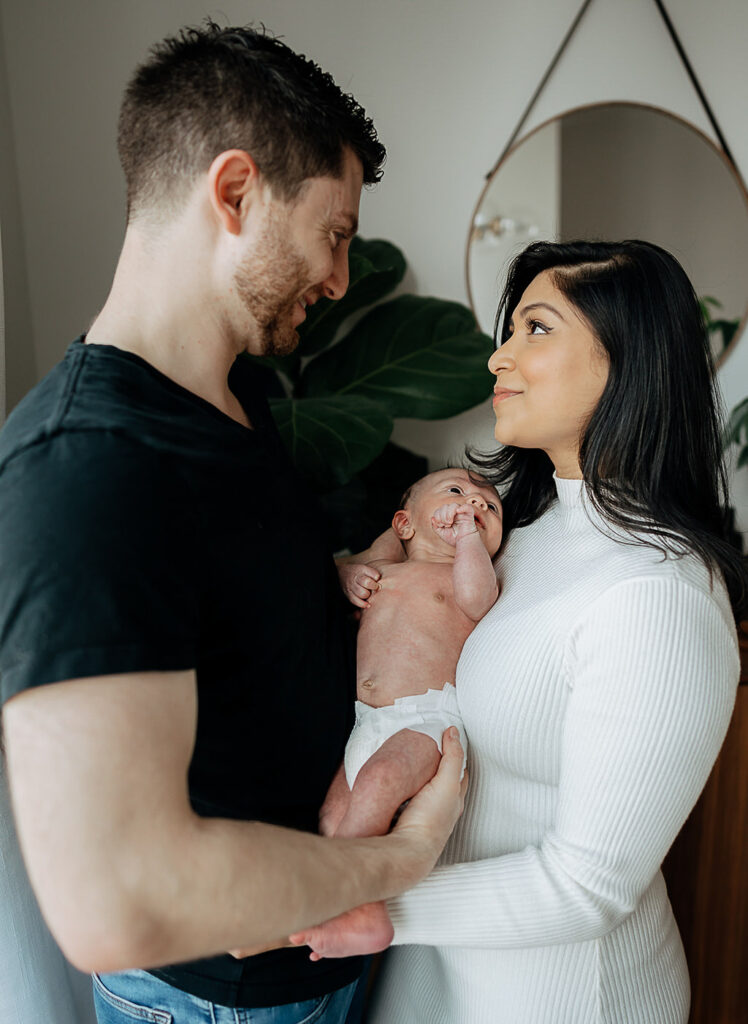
x,y
596,694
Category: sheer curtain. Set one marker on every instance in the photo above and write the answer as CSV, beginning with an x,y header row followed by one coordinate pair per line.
x,y
2,336
37,985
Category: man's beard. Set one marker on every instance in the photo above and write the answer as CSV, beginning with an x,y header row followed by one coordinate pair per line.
x,y
269,282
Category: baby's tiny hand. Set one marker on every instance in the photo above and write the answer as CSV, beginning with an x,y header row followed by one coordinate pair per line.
x,y
450,522
359,582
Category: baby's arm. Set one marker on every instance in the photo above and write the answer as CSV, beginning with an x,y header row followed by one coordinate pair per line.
x,y
473,577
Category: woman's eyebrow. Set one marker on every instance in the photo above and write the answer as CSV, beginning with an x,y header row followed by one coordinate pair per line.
x,y
541,305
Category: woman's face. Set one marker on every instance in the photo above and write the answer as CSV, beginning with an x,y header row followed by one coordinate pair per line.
x,y
550,375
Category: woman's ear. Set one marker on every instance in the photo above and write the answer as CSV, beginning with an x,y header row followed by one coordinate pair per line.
x,y
402,525
232,178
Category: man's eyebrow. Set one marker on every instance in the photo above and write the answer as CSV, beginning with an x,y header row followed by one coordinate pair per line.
x,y
350,220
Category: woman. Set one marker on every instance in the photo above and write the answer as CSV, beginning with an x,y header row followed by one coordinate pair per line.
x,y
597,691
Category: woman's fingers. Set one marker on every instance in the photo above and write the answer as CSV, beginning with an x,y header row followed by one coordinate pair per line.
x,y
433,811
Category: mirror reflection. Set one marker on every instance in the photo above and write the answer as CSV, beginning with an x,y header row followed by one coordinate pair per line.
x,y
612,171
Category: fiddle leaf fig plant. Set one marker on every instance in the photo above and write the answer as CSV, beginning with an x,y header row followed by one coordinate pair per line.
x,y
722,328
736,432
355,370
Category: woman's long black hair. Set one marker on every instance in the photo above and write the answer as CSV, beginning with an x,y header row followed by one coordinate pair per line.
x,y
651,453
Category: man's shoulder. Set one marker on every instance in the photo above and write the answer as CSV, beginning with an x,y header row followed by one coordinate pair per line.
x,y
66,401
37,415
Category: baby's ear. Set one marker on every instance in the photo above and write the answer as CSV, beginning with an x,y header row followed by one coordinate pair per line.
x,y
402,525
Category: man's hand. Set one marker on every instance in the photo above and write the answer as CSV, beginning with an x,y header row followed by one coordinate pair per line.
x,y
359,582
450,522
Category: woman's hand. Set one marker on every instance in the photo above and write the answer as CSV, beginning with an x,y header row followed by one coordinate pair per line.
x,y
430,816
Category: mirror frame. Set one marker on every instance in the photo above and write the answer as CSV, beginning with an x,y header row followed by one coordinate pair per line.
x,y
730,166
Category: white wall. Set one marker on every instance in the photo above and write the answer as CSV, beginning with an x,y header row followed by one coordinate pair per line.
x,y
630,172
444,82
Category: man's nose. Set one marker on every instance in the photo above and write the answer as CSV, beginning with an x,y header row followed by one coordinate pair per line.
x,y
336,285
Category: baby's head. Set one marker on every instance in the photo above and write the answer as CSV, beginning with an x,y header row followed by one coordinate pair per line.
x,y
445,487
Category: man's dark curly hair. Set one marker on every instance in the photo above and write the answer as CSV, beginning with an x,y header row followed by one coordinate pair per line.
x,y
210,89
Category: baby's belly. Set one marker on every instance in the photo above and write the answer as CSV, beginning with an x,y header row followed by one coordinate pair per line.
x,y
385,680
401,660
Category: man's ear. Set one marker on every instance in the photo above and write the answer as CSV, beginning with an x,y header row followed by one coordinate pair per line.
x,y
233,178
402,525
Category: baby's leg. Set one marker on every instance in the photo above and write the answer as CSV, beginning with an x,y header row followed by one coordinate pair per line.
x,y
392,775
336,804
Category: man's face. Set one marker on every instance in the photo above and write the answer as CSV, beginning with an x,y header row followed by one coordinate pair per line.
x,y
299,255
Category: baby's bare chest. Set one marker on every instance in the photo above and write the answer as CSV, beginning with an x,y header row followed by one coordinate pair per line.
x,y
416,599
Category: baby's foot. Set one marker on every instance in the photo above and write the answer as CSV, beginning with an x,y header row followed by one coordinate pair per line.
x,y
366,929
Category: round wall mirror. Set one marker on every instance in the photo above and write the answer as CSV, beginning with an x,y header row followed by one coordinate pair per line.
x,y
613,171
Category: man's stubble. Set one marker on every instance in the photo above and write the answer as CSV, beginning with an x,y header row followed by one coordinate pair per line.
x,y
269,282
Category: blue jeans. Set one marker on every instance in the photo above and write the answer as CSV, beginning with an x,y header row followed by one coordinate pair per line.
x,y
136,996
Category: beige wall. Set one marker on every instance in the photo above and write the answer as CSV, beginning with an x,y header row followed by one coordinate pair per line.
x,y
445,83
629,172
18,357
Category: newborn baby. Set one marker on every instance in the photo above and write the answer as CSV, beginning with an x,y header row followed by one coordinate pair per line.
x,y
416,616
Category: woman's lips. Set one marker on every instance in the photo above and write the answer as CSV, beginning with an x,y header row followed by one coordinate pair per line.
x,y
501,394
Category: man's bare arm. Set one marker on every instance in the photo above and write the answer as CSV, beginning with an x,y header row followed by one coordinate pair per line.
x,y
128,876
387,547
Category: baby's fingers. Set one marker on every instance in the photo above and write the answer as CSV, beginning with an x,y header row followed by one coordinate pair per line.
x,y
445,515
363,585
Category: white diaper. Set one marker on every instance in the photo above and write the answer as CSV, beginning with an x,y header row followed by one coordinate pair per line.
x,y
430,713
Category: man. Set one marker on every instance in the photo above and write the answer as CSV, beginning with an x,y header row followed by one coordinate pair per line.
x,y
173,656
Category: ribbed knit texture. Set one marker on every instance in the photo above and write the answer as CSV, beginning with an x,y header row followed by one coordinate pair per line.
x,y
596,694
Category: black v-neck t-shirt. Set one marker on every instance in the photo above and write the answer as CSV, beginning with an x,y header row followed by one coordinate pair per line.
x,y
142,529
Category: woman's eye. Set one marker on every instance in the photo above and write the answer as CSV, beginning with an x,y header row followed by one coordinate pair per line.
x,y
536,327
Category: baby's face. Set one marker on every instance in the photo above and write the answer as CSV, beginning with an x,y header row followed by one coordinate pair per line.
x,y
457,485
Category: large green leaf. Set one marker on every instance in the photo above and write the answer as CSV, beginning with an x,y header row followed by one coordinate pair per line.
x,y
363,508
416,357
736,428
375,267
330,439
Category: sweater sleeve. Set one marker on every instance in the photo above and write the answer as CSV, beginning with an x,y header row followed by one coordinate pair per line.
x,y
652,671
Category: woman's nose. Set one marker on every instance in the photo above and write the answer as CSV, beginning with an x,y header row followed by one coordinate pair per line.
x,y
501,359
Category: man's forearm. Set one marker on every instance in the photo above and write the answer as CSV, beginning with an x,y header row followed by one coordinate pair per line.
x,y
127,875
244,884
